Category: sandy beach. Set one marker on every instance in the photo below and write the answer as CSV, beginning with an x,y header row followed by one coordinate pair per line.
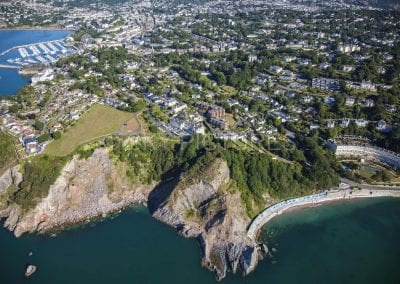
x,y
314,200
355,195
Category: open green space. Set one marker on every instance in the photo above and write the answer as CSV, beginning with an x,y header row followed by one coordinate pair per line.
x,y
370,172
98,121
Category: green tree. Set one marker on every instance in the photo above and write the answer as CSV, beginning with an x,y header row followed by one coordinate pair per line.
x,y
57,135
39,125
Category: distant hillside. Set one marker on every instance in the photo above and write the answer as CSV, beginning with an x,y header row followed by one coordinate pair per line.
x,y
384,4
391,4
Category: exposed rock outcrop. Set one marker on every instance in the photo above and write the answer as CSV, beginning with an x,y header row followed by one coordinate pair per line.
x,y
10,177
200,204
202,208
30,270
85,189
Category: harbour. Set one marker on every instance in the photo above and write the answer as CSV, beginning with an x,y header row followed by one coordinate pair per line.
x,y
23,49
83,202
37,53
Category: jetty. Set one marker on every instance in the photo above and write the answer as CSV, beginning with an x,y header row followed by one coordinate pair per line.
x,y
9,66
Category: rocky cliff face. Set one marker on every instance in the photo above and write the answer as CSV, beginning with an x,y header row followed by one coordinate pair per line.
x,y
202,205
8,183
209,209
85,189
10,177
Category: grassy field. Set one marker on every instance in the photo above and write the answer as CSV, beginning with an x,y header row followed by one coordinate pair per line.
x,y
230,120
131,126
98,121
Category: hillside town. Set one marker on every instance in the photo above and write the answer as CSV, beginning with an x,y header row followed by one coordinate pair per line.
x,y
252,73
212,117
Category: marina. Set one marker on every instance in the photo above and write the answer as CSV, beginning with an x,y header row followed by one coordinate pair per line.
x,y
43,52
20,48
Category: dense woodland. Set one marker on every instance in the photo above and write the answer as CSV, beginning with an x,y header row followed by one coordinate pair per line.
x,y
39,173
254,174
110,64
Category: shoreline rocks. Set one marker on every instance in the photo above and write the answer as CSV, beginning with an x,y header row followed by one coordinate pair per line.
x,y
202,209
30,269
81,192
11,176
198,207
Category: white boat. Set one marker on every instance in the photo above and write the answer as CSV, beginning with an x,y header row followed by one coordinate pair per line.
x,y
35,50
22,52
41,59
49,57
52,47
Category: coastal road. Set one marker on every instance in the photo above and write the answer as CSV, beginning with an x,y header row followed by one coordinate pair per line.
x,y
365,190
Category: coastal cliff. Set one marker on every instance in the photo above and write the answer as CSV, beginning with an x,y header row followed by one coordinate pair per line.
x,y
84,189
204,205
200,202
10,176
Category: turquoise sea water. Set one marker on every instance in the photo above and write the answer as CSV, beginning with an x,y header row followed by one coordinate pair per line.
x,y
10,80
351,242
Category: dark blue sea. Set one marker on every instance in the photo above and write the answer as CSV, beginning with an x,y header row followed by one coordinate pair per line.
x,y
354,242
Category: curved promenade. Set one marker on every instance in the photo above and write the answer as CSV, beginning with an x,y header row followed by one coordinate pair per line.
x,y
308,200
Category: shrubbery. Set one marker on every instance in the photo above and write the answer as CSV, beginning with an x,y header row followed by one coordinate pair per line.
x,y
255,174
39,174
7,154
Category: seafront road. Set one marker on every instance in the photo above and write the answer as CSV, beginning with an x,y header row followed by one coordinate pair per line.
x,y
347,190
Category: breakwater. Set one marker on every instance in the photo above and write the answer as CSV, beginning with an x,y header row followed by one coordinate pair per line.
x,y
9,66
29,45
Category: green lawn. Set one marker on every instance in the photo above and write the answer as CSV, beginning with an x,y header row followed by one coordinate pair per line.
x,y
98,121
230,120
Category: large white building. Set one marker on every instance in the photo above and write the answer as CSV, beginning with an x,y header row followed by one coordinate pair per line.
x,y
366,152
45,75
348,48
